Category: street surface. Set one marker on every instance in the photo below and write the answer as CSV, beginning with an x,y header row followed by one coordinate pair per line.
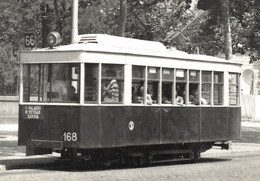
x,y
242,162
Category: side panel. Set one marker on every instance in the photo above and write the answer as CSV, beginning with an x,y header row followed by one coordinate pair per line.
x,y
234,123
214,124
113,126
180,124
146,125
90,127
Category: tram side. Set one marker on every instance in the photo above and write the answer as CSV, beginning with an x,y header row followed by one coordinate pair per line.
x,y
103,117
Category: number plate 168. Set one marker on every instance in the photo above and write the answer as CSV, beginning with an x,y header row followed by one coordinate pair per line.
x,y
70,136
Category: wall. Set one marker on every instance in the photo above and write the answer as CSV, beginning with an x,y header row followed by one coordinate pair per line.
x,y
250,105
9,109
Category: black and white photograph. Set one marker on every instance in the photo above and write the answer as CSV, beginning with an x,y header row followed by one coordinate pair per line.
x,y
129,90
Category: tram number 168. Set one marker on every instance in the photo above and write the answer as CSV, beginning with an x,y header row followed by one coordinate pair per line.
x,y
70,136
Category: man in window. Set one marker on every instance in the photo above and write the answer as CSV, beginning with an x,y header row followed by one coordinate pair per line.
x,y
111,92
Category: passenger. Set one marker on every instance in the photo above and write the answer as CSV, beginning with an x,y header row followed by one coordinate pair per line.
x,y
111,92
179,100
134,95
194,98
71,93
179,96
149,100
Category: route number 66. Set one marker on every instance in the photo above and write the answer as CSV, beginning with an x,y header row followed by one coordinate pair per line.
x,y
70,136
29,40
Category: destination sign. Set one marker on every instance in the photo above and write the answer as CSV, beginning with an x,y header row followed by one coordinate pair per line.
x,y
33,112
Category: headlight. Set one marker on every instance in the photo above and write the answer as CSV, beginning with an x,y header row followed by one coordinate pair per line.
x,y
53,39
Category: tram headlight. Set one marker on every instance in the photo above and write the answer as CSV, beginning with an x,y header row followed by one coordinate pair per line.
x,y
53,39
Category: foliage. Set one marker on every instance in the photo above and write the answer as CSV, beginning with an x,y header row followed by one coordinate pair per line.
x,y
8,69
245,26
155,20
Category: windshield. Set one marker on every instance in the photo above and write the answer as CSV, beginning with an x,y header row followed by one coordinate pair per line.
x,y
51,83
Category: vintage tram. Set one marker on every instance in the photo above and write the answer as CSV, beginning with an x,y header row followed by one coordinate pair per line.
x,y
114,97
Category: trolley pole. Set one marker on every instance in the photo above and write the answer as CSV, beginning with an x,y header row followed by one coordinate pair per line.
x,y
74,25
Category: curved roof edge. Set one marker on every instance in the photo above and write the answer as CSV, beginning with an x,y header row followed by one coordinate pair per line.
x,y
121,42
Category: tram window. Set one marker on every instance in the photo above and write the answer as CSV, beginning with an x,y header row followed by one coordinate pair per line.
x,y
181,84
112,83
180,93
181,75
194,76
167,85
51,83
206,87
233,89
138,78
91,83
194,87
34,78
153,83
63,84
218,88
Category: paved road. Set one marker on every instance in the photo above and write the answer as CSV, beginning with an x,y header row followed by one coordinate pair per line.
x,y
12,156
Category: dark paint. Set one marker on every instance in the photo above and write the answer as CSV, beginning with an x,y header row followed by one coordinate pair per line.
x,y
108,126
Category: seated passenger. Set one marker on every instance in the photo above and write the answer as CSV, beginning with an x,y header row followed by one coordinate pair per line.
x,y
194,98
180,95
111,92
71,93
179,100
139,97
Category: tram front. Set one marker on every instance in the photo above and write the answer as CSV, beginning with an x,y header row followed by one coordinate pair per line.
x,y
49,99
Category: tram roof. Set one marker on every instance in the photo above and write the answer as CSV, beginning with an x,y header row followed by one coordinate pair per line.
x,y
120,45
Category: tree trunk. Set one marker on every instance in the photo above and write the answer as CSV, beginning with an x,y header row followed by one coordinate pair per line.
x,y
227,29
122,18
45,27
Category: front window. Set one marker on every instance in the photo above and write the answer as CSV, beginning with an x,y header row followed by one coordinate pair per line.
x,y
51,83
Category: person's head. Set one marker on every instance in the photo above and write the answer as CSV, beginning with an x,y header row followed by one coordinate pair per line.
x,y
195,92
71,92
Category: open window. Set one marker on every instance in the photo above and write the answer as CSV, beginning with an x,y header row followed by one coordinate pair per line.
x,y
218,88
153,84
91,83
112,83
181,86
167,85
233,89
138,79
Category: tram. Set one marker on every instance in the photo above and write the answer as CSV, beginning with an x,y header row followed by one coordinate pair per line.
x,y
115,97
